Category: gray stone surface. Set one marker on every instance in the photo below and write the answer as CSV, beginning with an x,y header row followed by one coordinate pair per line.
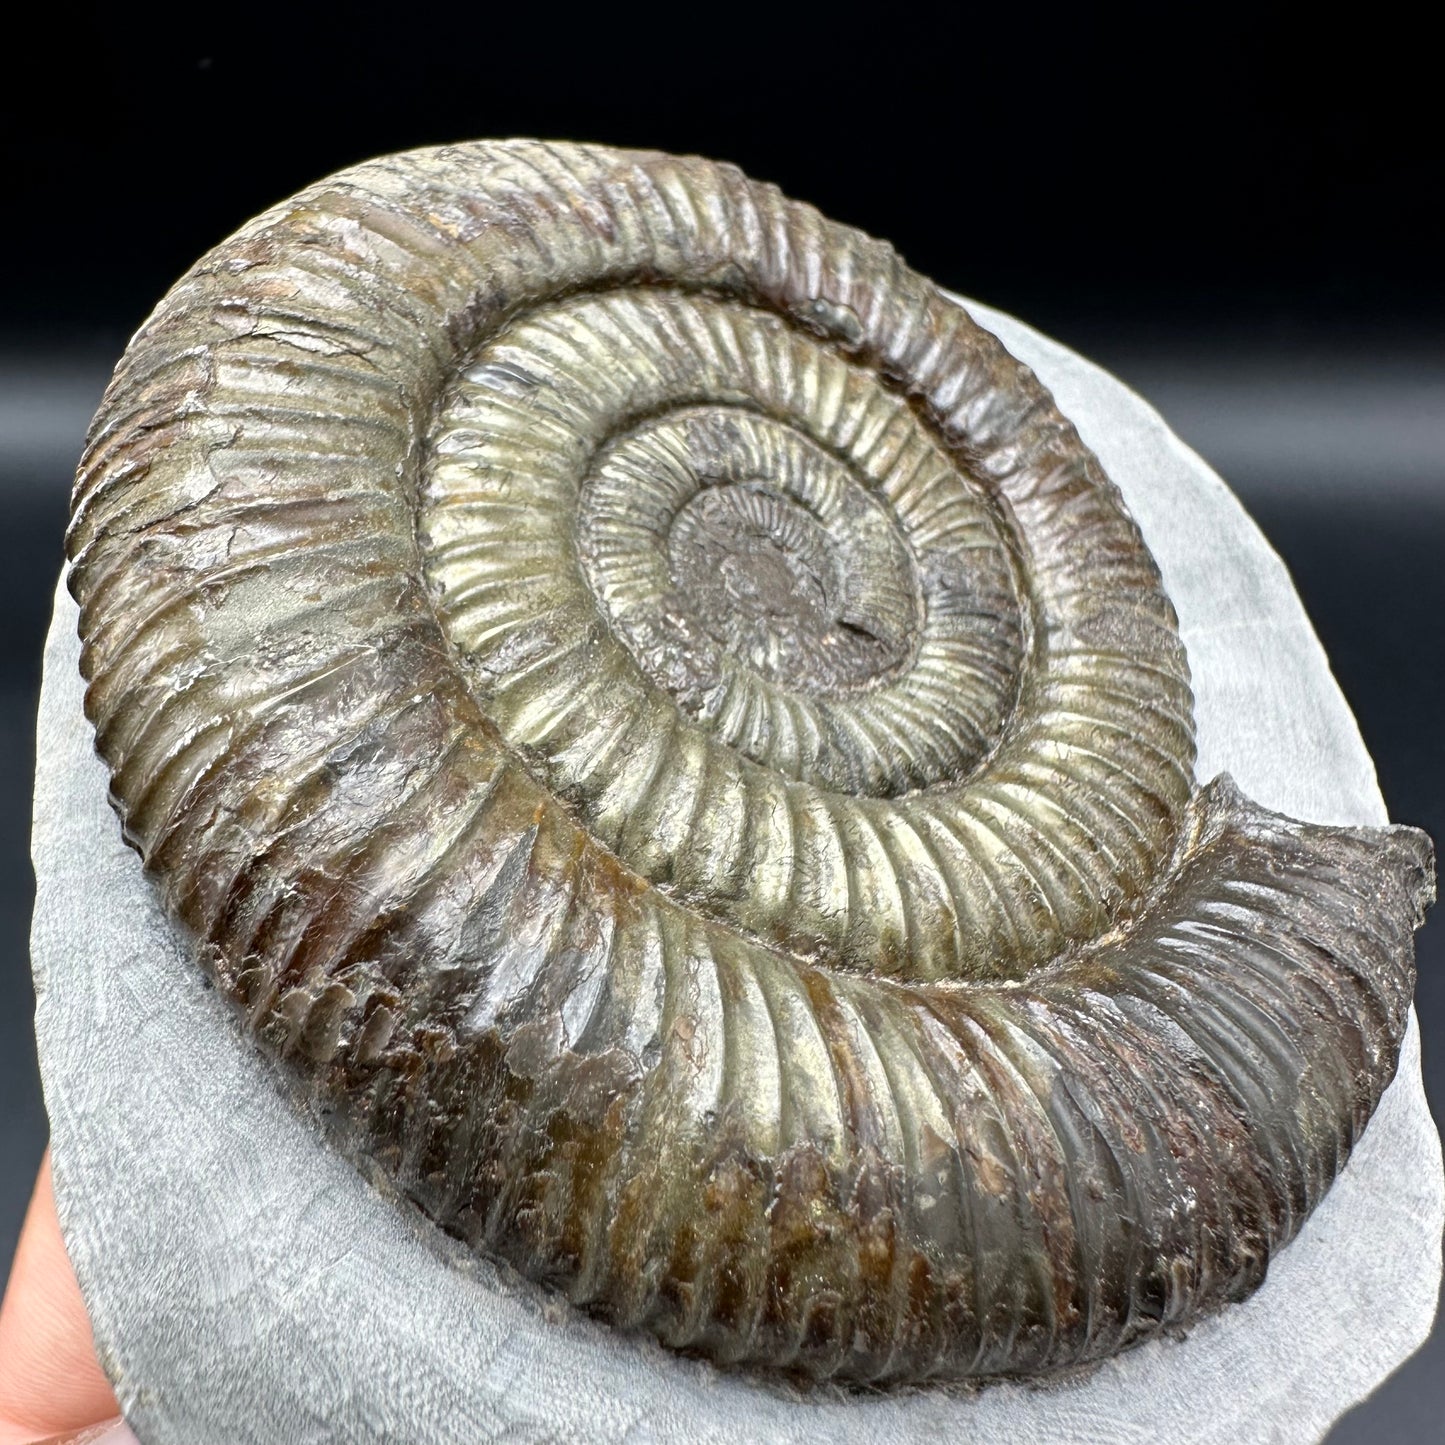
x,y
249,1288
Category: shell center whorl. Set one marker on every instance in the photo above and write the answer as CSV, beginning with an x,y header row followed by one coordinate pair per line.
x,y
715,530
764,583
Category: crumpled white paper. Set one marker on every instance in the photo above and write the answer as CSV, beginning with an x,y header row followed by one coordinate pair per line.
x,y
248,1287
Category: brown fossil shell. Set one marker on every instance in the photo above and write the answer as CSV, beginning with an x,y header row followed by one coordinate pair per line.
x,y
660,721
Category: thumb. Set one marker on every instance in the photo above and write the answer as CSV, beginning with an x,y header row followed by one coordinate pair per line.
x,y
113,1432
51,1385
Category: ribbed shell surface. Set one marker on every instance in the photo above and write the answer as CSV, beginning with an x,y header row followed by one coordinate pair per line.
x,y
659,721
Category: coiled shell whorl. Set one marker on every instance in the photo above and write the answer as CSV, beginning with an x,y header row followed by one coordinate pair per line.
x,y
658,719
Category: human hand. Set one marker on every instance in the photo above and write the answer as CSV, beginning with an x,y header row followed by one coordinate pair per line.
x,y
52,1389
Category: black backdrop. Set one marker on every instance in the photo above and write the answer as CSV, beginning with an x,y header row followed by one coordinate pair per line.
x,y
1234,208
1087,166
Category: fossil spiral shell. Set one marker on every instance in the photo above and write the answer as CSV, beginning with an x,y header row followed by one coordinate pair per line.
x,y
661,722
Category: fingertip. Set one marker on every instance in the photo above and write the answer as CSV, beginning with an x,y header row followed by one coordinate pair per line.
x,y
108,1432
50,1379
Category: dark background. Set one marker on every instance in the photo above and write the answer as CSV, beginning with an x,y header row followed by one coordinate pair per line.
x,y
1235,212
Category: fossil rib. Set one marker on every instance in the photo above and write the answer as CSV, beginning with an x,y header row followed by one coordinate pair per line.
x,y
658,718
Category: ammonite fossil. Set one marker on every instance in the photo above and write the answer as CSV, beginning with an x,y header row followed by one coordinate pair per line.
x,y
660,721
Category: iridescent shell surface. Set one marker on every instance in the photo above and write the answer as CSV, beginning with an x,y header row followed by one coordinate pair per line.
x,y
660,722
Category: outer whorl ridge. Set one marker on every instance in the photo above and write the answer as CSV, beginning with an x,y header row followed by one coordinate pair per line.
x,y
655,714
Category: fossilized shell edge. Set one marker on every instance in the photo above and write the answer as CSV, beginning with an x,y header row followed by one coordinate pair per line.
x,y
309,1017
